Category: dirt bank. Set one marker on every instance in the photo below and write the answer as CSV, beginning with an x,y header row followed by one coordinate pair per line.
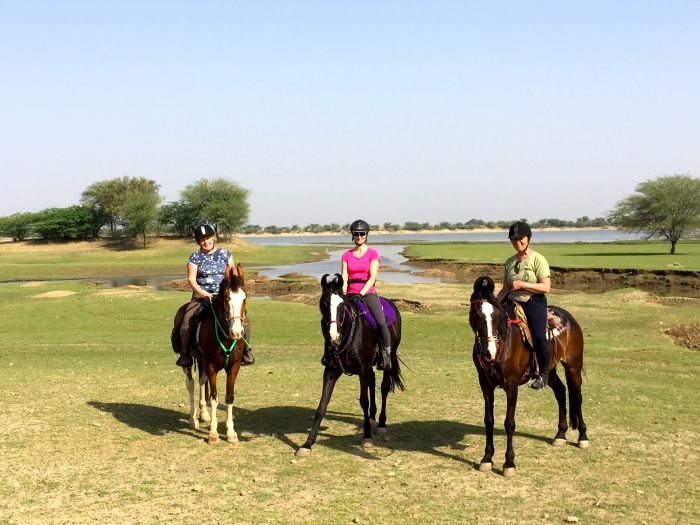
x,y
663,282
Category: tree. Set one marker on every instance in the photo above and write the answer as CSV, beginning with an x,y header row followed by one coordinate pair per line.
x,y
106,197
140,213
63,223
666,207
17,226
221,201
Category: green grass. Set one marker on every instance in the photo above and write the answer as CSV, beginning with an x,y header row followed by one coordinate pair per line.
x,y
95,420
646,255
49,261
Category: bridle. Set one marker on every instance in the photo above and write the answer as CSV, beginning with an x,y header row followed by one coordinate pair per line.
x,y
483,342
346,330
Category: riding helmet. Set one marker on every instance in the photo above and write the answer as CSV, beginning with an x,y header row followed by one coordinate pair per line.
x,y
359,226
519,229
203,230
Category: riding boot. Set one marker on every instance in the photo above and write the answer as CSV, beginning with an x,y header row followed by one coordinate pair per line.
x,y
185,360
384,361
247,358
543,358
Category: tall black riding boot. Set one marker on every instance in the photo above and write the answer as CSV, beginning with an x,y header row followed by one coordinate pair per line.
x,y
544,356
384,361
185,359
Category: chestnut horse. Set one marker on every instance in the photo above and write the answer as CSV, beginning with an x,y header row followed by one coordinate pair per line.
x,y
351,347
220,344
503,360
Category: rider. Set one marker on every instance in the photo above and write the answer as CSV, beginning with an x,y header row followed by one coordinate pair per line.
x,y
360,267
205,271
526,280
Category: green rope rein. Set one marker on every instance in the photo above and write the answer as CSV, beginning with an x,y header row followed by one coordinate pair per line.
x,y
224,349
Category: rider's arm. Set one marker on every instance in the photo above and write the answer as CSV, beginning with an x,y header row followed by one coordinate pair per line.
x,y
344,274
543,286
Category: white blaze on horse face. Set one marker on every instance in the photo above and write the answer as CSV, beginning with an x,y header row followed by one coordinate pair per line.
x,y
487,311
336,301
236,300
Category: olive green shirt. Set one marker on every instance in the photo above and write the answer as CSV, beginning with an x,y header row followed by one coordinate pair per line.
x,y
531,270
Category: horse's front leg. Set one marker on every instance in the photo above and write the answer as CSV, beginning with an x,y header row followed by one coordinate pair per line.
x,y
329,379
203,414
509,424
213,405
364,403
231,435
189,384
487,390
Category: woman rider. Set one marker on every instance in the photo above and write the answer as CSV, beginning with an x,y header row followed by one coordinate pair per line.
x,y
526,280
205,271
360,267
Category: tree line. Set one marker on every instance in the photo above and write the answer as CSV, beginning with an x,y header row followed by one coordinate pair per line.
x,y
667,207
132,207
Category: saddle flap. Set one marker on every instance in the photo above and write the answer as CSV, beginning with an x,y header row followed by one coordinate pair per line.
x,y
389,313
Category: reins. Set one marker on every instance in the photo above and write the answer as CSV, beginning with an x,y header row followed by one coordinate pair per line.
x,y
219,328
347,336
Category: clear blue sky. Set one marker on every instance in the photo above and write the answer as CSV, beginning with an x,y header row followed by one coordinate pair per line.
x,y
329,111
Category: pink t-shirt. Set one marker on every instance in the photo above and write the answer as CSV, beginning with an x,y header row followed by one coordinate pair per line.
x,y
358,268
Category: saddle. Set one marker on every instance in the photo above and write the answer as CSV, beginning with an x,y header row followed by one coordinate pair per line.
x,y
389,313
555,324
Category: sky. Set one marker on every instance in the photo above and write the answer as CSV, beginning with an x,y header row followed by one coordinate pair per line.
x,y
389,111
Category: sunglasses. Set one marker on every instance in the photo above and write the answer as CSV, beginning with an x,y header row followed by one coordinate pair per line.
x,y
358,234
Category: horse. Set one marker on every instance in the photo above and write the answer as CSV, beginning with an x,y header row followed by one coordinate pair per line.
x,y
503,360
351,346
221,340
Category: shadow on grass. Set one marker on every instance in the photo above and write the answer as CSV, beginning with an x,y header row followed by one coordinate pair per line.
x,y
428,437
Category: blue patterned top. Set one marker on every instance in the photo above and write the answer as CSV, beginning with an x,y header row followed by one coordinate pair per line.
x,y
210,268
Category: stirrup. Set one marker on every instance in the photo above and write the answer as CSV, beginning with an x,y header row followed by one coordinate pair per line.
x,y
247,358
537,383
185,360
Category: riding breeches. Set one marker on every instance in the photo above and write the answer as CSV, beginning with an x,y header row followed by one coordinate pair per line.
x,y
372,302
536,312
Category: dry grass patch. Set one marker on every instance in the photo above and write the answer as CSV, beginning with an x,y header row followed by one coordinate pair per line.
x,y
54,293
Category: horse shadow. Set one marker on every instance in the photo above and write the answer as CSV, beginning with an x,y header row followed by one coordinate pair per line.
x,y
440,438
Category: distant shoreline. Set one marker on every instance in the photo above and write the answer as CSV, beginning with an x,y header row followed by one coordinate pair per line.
x,y
422,232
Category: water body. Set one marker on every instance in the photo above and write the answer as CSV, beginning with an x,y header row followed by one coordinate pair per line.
x,y
477,236
393,267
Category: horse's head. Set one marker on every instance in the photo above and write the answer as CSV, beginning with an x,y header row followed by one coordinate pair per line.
x,y
330,305
486,317
231,290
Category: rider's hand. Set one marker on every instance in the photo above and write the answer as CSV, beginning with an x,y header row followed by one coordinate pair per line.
x,y
356,299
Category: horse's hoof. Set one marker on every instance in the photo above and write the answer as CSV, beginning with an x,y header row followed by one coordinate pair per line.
x,y
194,424
559,442
485,467
584,443
303,452
213,438
205,417
508,472
232,438
382,431
367,443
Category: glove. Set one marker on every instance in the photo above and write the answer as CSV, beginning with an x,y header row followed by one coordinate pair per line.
x,y
356,299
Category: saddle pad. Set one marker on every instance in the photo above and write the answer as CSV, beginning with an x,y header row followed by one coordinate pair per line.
x,y
389,313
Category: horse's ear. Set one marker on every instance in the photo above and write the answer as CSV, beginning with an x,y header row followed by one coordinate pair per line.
x,y
324,281
228,273
338,279
240,272
484,284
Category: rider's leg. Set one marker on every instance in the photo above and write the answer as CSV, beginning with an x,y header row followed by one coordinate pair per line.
x,y
187,333
372,302
248,358
536,313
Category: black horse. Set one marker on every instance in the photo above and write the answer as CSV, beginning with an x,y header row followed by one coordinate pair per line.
x,y
351,347
502,359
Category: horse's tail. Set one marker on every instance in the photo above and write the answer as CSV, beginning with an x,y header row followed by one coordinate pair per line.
x,y
395,377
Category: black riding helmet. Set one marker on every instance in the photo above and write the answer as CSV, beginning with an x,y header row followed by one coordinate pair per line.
x,y
519,229
203,230
359,226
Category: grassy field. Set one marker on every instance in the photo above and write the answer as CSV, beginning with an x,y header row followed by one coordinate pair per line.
x,y
646,255
96,427
75,260
95,419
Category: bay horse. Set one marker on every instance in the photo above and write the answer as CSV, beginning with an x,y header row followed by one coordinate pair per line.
x,y
351,347
220,344
503,360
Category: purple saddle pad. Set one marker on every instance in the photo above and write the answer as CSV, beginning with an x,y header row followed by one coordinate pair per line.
x,y
389,313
